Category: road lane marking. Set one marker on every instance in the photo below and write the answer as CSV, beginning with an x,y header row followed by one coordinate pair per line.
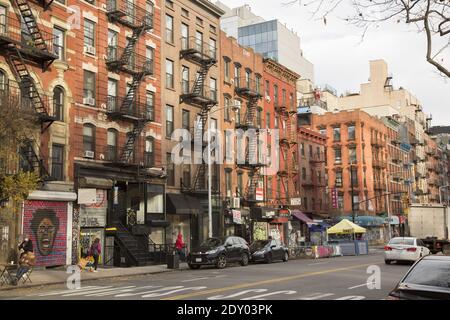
x,y
259,297
241,293
112,292
264,282
317,263
359,286
351,298
317,296
195,279
86,289
93,291
152,295
145,292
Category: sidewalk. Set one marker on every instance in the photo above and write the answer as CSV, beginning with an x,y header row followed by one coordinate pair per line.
x,y
50,277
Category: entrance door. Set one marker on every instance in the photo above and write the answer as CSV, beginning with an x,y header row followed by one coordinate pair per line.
x,y
195,235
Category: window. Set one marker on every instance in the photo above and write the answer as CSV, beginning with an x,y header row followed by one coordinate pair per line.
x,y
267,88
340,201
258,83
355,202
111,139
184,36
58,103
185,80
237,103
268,120
149,54
259,117
352,155
212,29
351,133
240,184
213,87
169,29
3,83
169,122
354,176
338,180
302,149
276,122
57,162
275,94
89,85
269,188
199,21
323,131
187,175
185,119
199,41
303,173
112,103
283,97
237,75
89,33
88,137
170,170
112,45
149,152
429,273
169,74
226,66
291,102
169,4
228,183
336,134
228,146
226,110
248,76
184,13
150,105
212,48
58,42
337,156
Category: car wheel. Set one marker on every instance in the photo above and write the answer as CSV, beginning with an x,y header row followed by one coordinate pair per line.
x,y
387,261
269,258
285,257
244,260
194,266
221,262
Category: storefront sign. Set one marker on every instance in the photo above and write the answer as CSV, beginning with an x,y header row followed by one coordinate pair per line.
x,y
284,213
94,215
87,196
395,220
237,218
296,201
268,213
334,198
259,194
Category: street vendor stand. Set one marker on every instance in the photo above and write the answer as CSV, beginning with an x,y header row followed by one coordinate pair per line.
x,y
349,247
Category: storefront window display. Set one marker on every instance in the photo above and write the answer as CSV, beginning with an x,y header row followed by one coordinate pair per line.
x,y
87,237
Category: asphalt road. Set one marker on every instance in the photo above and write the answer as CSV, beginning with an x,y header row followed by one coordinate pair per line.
x,y
343,278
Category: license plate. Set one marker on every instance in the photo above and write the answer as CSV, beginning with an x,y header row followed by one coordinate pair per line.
x,y
198,259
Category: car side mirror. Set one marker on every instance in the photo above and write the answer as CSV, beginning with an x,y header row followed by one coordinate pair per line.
x,y
273,246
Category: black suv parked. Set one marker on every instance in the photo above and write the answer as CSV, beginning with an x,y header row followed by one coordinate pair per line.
x,y
219,252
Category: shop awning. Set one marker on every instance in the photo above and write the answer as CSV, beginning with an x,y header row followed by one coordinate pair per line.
x,y
301,216
182,204
346,227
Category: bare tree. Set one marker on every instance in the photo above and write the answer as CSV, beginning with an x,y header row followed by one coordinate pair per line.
x,y
431,17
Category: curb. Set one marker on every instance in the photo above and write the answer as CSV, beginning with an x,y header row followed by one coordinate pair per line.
x,y
33,285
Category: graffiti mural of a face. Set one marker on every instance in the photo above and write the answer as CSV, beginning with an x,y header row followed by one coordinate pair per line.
x,y
45,226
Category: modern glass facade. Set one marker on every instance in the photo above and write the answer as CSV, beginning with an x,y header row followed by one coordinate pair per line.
x,y
262,37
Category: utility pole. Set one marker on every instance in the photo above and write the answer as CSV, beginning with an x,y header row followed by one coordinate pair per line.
x,y
352,192
210,233
387,206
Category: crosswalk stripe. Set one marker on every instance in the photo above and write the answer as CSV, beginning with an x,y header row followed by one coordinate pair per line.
x,y
152,295
351,298
112,291
317,296
88,292
141,293
82,289
241,293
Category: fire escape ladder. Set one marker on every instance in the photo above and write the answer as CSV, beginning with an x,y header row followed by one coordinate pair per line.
x,y
200,178
31,23
253,179
131,45
252,152
130,98
199,84
29,88
33,160
129,148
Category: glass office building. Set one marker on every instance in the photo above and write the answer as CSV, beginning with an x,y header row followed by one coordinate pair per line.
x,y
262,37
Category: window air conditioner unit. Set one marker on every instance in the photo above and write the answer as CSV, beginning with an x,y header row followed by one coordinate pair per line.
x,y
236,203
89,101
89,49
268,98
89,154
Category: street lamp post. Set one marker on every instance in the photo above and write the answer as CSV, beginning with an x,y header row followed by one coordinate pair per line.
x,y
388,207
352,192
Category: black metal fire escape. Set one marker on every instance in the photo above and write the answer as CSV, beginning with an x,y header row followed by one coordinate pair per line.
x,y
249,89
23,43
127,60
197,93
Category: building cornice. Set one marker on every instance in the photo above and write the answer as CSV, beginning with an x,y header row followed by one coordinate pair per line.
x,y
209,6
275,68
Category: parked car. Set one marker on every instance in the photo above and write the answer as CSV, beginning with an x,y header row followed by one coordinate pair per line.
x,y
219,252
268,251
405,249
428,279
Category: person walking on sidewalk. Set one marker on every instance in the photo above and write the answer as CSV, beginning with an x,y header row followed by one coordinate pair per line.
x,y
95,252
179,245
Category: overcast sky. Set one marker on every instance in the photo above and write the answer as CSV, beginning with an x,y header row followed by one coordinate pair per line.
x,y
342,60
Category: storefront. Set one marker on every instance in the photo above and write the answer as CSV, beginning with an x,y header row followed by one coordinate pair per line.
x,y
47,219
10,230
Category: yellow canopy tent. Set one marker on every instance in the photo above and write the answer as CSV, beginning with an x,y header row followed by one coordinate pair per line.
x,y
346,227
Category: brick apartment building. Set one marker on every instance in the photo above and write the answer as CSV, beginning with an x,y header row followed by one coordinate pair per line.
x,y
241,108
190,87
